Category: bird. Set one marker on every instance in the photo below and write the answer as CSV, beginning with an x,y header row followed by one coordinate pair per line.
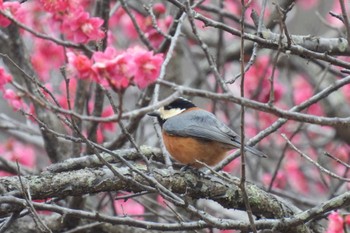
x,y
196,137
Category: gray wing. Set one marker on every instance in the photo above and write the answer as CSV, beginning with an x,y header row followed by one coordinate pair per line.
x,y
201,124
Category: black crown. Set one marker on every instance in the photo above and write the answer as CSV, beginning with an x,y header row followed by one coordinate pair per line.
x,y
181,103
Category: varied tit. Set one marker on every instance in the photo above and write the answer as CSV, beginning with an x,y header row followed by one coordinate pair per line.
x,y
191,134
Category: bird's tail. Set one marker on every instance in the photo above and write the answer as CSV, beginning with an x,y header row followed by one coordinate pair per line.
x,y
255,151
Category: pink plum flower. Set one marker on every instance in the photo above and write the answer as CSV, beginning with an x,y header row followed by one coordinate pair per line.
x,y
4,78
159,8
9,8
114,69
13,150
305,91
296,177
13,99
279,182
257,84
129,207
117,69
55,6
79,65
148,67
42,58
81,28
336,223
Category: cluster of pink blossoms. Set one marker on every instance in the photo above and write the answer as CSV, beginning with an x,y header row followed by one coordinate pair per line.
x,y
13,150
117,69
336,222
10,8
75,23
13,99
79,27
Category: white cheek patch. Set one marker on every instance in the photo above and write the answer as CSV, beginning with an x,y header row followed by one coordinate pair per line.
x,y
166,114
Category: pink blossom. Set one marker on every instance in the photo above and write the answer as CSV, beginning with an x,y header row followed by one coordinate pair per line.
x,y
13,99
336,223
148,67
42,59
79,27
108,111
9,8
114,69
104,126
4,78
347,220
118,70
13,150
72,87
159,8
296,177
154,36
232,166
235,8
228,231
305,91
279,182
129,207
80,65
128,26
346,92
109,54
55,6
257,85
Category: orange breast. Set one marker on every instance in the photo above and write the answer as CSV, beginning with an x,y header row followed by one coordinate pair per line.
x,y
187,150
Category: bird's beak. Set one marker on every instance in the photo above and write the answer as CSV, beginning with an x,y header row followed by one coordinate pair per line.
x,y
154,113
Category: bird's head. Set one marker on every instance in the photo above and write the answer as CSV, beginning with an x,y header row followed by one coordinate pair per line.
x,y
174,108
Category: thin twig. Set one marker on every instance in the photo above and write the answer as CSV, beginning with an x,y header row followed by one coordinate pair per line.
x,y
243,161
313,162
345,19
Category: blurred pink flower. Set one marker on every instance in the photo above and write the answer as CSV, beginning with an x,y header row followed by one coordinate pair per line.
x,y
257,85
62,98
232,166
129,207
108,111
103,126
335,223
346,92
228,231
296,177
55,6
159,8
10,8
79,65
279,182
147,66
4,78
154,36
13,150
42,59
113,68
305,91
13,99
79,27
